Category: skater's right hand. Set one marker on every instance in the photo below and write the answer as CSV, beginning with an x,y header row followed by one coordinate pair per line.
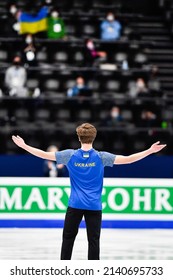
x,y
18,141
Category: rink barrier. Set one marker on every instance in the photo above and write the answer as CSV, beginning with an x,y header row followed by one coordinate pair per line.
x,y
127,203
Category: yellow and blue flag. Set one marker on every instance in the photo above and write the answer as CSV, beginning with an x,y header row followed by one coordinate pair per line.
x,y
33,24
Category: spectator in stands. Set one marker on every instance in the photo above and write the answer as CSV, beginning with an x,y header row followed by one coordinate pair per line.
x,y
13,27
148,119
51,169
114,118
137,88
154,83
29,50
92,55
13,9
15,78
56,27
110,28
141,87
48,3
80,88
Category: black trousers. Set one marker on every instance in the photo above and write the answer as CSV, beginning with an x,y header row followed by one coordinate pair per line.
x,y
93,225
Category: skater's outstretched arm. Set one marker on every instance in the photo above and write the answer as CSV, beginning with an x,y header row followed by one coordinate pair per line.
x,y
34,151
156,147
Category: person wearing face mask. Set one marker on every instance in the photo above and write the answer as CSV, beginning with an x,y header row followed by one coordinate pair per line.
x,y
30,50
79,88
110,28
15,78
13,9
137,88
48,2
141,87
114,118
56,28
91,54
13,27
29,39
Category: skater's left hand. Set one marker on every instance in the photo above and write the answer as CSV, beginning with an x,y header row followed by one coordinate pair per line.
x,y
156,147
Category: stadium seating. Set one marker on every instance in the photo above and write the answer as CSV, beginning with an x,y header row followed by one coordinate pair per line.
x,y
146,40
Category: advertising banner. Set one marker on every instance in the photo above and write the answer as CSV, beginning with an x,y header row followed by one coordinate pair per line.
x,y
126,203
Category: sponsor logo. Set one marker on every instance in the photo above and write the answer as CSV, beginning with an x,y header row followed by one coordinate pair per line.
x,y
115,199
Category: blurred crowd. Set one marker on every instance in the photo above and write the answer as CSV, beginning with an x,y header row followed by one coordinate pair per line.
x,y
35,25
47,22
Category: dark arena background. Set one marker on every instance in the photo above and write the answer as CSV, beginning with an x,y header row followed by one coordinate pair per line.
x,y
62,64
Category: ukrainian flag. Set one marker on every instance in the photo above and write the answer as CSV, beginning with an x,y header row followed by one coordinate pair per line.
x,y
33,24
